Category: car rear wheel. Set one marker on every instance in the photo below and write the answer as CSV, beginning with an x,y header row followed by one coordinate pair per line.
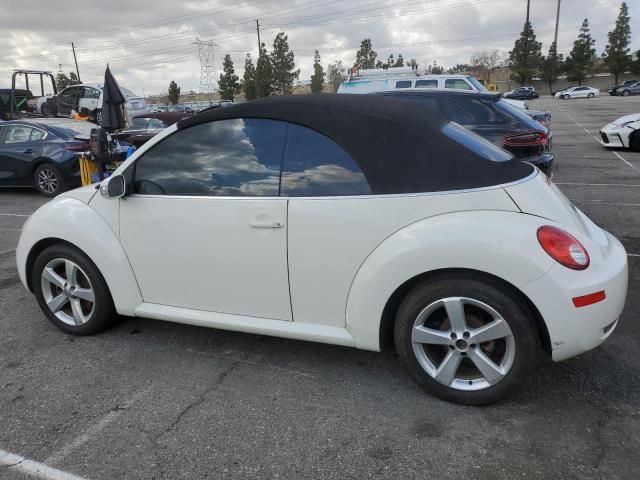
x,y
48,180
71,291
465,339
48,110
566,96
626,93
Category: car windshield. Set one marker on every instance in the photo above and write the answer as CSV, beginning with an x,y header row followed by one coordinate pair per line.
x,y
128,93
475,143
477,84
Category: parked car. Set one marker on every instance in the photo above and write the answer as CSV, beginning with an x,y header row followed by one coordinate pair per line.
x,y
180,109
522,93
578,92
492,118
42,153
626,88
144,127
541,116
89,96
356,220
622,133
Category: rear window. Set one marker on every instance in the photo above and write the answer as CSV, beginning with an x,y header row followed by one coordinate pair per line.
x,y
457,83
426,83
403,84
517,113
475,143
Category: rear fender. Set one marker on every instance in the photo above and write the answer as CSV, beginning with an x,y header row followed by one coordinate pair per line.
x,y
503,244
72,221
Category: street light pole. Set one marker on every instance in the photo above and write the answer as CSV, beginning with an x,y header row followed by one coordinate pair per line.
x,y
555,35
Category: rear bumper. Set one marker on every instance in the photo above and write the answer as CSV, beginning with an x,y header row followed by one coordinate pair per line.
x,y
544,161
575,330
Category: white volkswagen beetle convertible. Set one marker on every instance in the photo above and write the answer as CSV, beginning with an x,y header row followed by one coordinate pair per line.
x,y
353,220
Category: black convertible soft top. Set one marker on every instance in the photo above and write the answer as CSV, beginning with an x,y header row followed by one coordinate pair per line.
x,y
398,144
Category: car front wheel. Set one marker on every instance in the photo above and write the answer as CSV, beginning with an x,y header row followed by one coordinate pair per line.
x,y
626,93
48,180
465,339
71,291
591,95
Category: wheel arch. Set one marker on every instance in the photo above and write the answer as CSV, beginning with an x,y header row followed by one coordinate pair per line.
x,y
387,320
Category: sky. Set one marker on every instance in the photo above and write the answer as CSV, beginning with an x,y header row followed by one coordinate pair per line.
x,y
148,43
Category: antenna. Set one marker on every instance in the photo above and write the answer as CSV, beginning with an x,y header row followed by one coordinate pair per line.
x,y
207,76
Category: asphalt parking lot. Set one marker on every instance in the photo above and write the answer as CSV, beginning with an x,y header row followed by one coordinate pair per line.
x,y
151,399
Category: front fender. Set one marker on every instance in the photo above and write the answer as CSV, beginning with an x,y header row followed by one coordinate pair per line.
x,y
503,244
75,222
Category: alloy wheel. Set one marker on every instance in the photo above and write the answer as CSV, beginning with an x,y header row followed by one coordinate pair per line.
x,y
67,291
463,343
48,180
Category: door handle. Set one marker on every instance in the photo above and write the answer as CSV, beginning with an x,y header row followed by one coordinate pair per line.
x,y
260,223
28,150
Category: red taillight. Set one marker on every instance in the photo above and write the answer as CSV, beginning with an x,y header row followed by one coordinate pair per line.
x,y
590,299
563,248
525,139
76,147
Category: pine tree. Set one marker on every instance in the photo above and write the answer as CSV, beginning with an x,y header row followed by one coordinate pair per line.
x,y
283,64
635,65
229,81
336,75
249,79
616,53
551,67
317,79
365,57
526,56
173,93
63,81
264,74
391,61
580,60
399,61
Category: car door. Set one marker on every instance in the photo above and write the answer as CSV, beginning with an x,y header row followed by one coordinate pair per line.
x,y
88,98
20,145
67,100
635,88
579,92
205,227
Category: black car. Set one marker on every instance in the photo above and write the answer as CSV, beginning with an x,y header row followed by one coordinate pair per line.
x,y
626,88
42,153
522,93
492,118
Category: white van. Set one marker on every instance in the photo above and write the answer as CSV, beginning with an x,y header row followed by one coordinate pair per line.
x,y
383,80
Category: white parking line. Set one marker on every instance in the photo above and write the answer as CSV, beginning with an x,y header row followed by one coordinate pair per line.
x,y
604,202
633,254
31,467
628,163
4,252
14,215
598,184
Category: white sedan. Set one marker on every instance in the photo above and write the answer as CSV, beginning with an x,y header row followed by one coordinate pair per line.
x,y
622,133
578,92
354,220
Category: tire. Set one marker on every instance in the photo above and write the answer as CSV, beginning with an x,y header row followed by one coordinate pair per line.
x,y
634,141
591,95
74,312
626,93
49,180
483,300
566,96
48,110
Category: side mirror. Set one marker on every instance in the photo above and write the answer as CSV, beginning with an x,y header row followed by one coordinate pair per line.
x,y
113,187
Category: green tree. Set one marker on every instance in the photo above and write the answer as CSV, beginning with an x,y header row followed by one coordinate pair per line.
x,y
249,79
583,54
616,53
229,82
551,67
173,93
63,81
317,79
635,65
264,74
365,57
399,61
283,64
413,64
336,75
391,62
435,69
526,56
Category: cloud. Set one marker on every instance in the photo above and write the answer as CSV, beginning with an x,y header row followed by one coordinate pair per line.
x,y
148,43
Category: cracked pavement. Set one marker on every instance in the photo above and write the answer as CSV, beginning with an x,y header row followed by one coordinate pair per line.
x,y
154,400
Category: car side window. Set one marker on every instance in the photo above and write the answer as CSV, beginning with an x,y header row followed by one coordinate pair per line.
x,y
403,84
139,123
88,92
236,157
457,83
20,134
36,135
315,165
456,113
69,92
426,83
156,123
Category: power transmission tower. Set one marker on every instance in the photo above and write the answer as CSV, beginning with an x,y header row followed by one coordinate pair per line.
x,y
207,76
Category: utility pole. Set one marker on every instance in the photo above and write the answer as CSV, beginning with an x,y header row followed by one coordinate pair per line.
x,y
528,7
75,60
555,35
259,44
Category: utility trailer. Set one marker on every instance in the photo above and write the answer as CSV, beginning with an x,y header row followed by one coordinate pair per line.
x,y
21,102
